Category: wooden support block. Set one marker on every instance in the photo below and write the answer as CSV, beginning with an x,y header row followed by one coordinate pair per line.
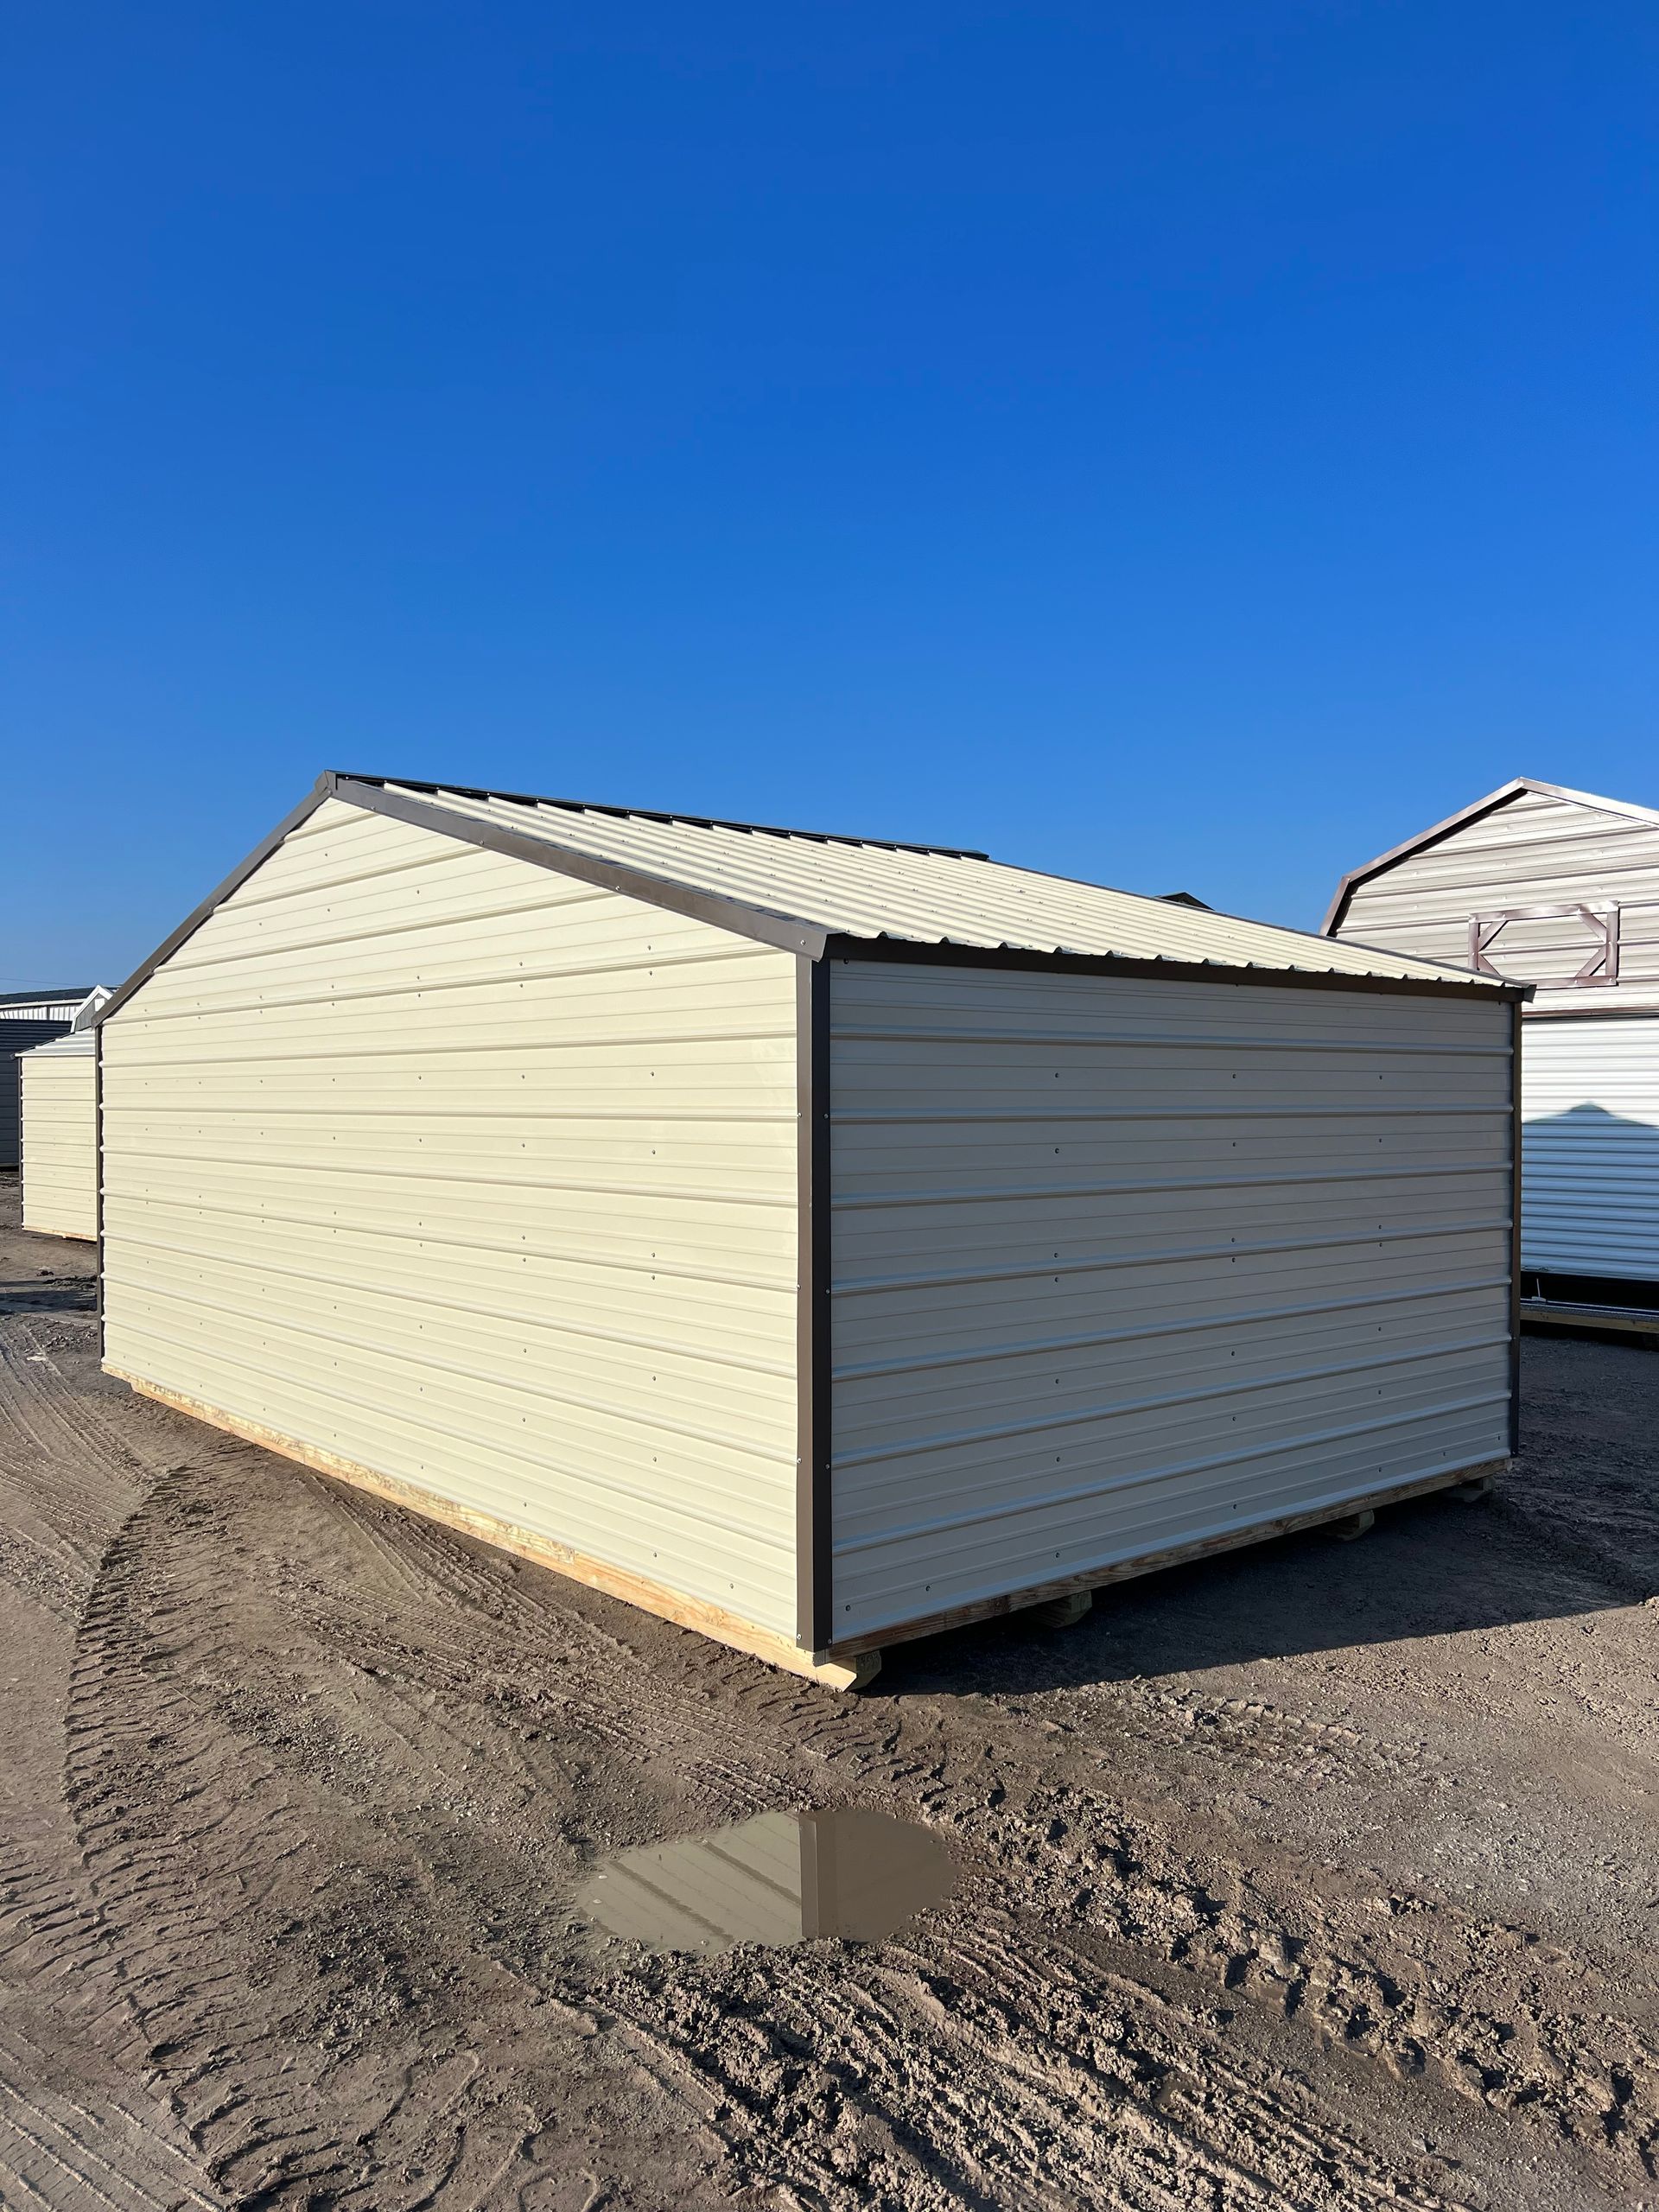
x,y
856,1673
1060,1613
1357,1525
1474,1493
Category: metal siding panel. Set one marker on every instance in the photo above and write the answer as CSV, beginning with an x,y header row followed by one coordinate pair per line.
x,y
1590,1147
57,1097
928,898
20,1032
417,1157
1535,850
1120,1266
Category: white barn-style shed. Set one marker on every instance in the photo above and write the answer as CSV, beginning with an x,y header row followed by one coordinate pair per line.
x,y
814,1241
28,1018
1559,889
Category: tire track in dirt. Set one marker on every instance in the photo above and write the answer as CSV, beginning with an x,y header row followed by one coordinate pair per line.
x,y
335,1774
1548,2057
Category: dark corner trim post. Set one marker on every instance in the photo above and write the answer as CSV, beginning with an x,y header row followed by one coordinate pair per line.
x,y
815,1586
1515,1228
912,953
98,1181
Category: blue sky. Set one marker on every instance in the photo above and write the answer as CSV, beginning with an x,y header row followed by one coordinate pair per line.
x,y
1188,445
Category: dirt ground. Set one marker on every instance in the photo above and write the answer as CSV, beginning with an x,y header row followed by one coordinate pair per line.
x,y
1322,1876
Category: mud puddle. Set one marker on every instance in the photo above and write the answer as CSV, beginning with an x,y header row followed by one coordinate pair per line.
x,y
779,1880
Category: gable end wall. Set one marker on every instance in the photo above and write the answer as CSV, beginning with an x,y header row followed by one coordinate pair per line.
x,y
1533,850
483,1180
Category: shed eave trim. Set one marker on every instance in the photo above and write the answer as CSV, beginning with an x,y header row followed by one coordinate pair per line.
x,y
789,932
947,952
322,790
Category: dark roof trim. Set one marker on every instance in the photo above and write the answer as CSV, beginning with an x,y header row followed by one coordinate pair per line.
x,y
1493,800
648,814
781,929
192,921
787,932
1018,960
46,998
742,920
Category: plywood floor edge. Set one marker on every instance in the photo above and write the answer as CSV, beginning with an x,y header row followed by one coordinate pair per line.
x,y
1098,1578
834,1670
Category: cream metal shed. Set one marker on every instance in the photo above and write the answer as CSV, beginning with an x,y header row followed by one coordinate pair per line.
x,y
814,1241
57,1099
1559,889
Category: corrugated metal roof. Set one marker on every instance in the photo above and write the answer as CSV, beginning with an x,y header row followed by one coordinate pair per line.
x,y
41,1005
918,894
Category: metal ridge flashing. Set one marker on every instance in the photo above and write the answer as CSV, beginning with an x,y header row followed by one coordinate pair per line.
x,y
655,814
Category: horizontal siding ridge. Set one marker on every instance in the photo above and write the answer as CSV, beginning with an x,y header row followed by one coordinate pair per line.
x,y
268,943
428,1362
1153,1256
520,1316
258,892
523,1250
271,1109
608,1484
1089,1040
1008,1509
974,1116
897,1201
281,1002
524,1042
1234,1386
429,1173
1235,1318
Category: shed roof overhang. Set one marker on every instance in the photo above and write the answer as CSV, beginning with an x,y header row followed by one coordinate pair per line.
x,y
421,806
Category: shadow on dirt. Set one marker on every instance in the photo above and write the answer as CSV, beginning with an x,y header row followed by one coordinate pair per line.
x,y
1447,1569
47,1295
1574,1531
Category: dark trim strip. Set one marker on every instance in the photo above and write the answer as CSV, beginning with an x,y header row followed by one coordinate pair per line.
x,y
1349,883
783,931
815,1590
1632,1010
238,875
729,915
97,1177
692,821
787,932
909,954
1515,1232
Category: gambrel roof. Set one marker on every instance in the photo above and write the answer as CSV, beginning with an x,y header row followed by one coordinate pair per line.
x,y
1518,787
814,891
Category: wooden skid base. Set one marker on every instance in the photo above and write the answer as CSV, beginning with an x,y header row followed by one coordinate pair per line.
x,y
1627,1321
1020,1601
835,1671
68,1236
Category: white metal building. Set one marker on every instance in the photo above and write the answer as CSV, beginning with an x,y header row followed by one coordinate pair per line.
x,y
27,1019
1559,889
814,1241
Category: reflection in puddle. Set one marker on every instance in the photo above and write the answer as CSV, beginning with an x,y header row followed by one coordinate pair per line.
x,y
781,1879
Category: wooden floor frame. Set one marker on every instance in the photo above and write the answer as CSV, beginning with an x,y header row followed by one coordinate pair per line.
x,y
848,1664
